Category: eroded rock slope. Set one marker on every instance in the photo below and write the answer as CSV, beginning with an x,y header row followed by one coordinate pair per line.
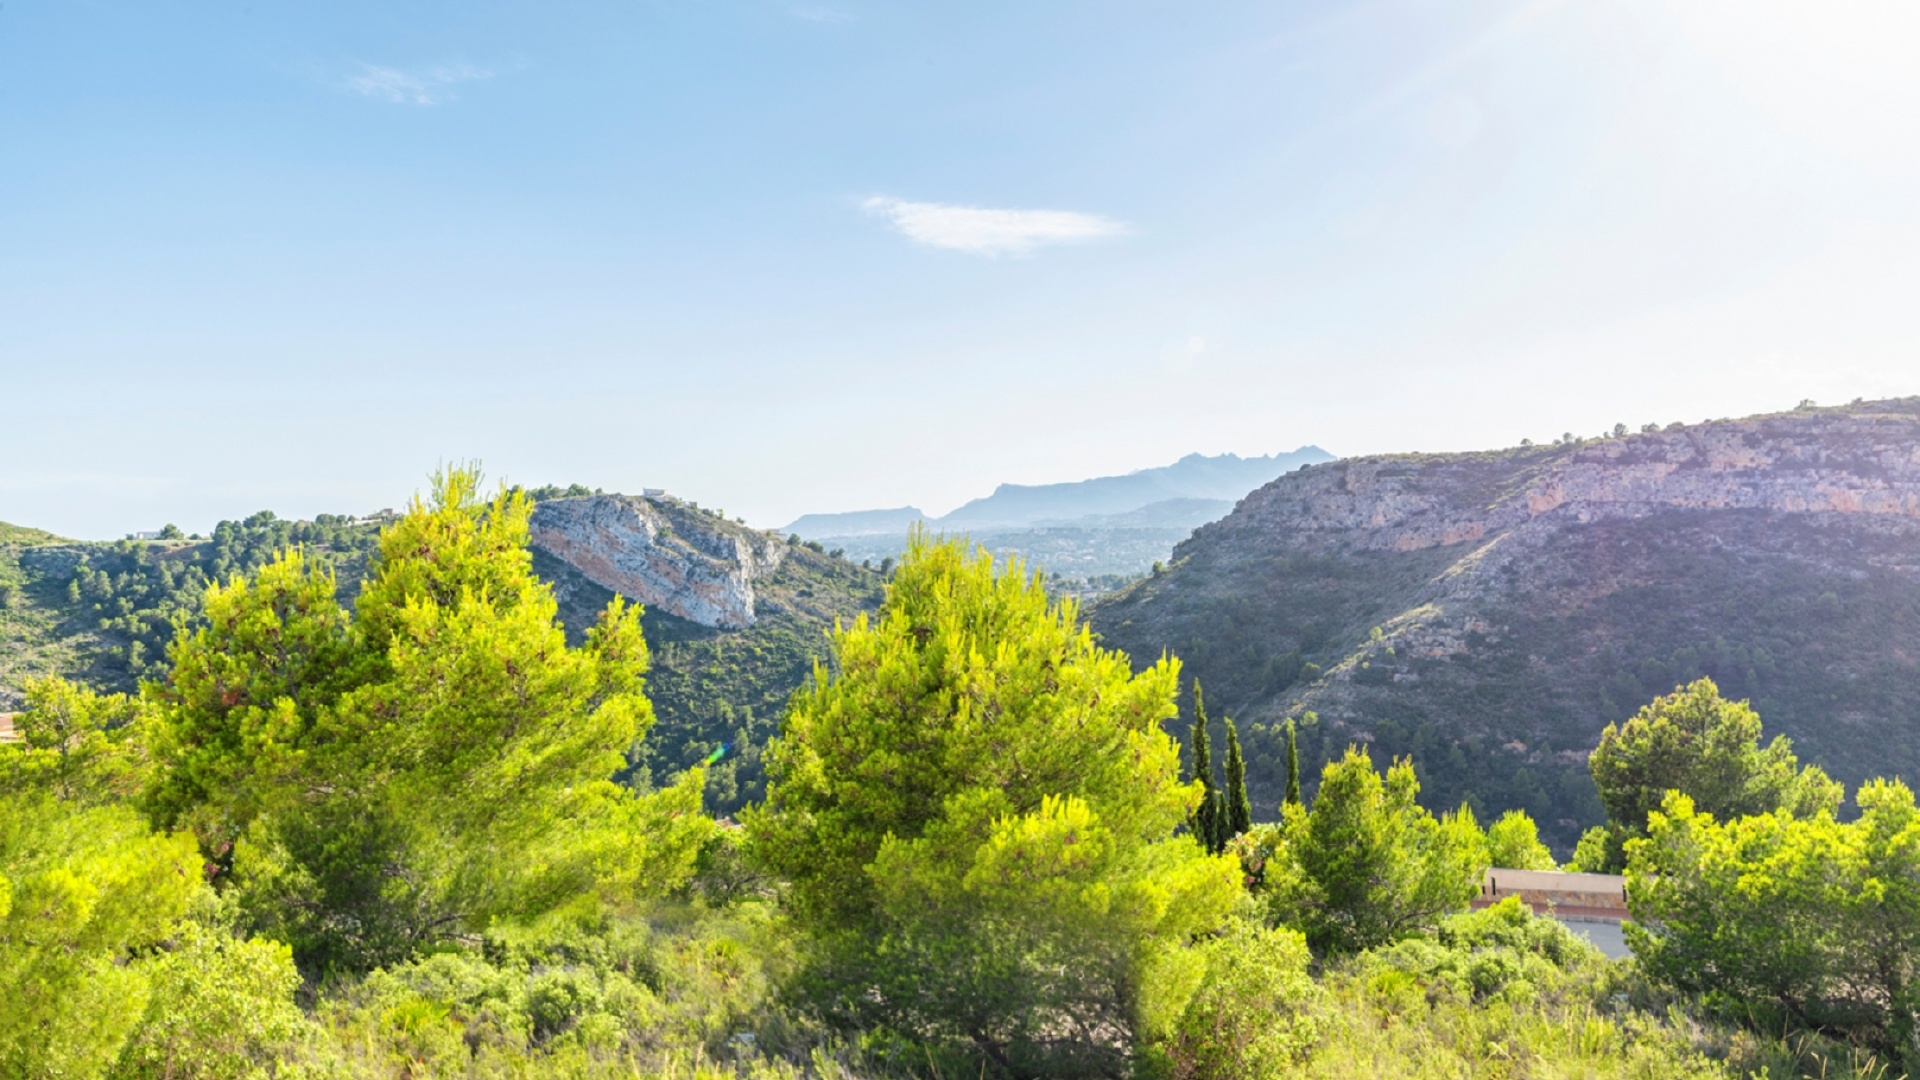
x,y
662,553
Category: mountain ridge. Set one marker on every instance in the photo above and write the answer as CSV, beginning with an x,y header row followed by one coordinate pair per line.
x,y
1502,606
1219,477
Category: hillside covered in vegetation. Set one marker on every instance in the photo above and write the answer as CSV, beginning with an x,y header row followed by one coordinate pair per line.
x,y
1489,613
105,613
390,839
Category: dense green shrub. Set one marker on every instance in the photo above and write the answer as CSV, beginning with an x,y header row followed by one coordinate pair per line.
x,y
1695,741
1513,842
1788,922
221,1008
1255,1015
1368,865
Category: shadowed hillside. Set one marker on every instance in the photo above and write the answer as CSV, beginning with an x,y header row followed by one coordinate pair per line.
x,y
1489,613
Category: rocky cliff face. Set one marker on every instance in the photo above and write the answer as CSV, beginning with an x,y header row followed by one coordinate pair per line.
x,y
1490,612
661,552
1838,462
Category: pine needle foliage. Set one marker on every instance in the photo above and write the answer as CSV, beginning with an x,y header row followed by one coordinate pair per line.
x,y
1239,809
369,784
1293,766
1205,823
975,808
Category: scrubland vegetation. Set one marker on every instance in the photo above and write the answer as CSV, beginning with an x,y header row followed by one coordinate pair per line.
x,y
386,840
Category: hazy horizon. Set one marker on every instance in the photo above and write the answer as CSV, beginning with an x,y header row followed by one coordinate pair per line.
x,y
820,257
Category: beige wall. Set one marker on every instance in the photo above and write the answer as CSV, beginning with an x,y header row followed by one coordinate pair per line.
x,y
1552,888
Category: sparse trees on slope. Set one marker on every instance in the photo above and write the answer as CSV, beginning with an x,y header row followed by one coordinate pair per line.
x,y
976,812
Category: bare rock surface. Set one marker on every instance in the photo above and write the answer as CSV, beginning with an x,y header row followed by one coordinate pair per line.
x,y
1822,462
662,552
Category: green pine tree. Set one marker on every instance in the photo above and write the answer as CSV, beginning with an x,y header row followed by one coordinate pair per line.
x,y
985,910
1238,817
1206,823
1293,766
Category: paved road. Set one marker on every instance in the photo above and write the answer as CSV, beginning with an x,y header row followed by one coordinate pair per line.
x,y
1606,936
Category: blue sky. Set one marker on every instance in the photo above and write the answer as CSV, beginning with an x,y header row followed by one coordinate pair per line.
x,y
818,256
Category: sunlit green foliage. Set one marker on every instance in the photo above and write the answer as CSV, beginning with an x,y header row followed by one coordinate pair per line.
x,y
1255,1015
1602,849
576,994
968,866
437,761
1695,741
975,810
1368,864
1513,842
1496,993
81,748
84,889
1801,922
220,1007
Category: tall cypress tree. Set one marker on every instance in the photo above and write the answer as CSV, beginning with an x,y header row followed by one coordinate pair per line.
x,y
1293,765
1239,811
1206,817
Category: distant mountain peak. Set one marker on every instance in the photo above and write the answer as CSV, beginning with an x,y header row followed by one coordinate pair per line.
x,y
857,522
1195,476
1218,478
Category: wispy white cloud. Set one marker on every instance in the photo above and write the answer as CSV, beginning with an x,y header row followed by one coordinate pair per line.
x,y
979,231
429,86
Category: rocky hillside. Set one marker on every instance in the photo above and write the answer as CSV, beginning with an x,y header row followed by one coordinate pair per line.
x,y
1491,612
664,553
735,617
